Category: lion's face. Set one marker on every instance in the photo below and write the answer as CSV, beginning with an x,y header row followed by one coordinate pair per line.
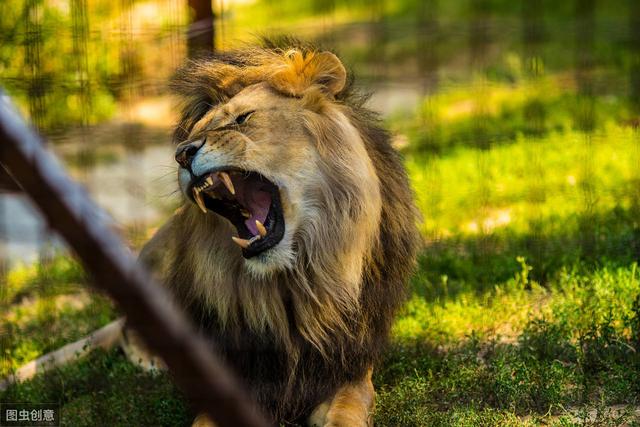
x,y
256,161
257,144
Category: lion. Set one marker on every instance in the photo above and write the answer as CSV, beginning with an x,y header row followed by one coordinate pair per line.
x,y
298,230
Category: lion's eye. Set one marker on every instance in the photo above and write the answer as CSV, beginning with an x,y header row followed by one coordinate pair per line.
x,y
243,117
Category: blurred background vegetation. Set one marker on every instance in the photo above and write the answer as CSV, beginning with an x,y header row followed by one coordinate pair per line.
x,y
518,122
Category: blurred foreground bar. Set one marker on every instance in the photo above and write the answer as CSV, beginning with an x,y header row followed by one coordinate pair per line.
x,y
6,182
149,309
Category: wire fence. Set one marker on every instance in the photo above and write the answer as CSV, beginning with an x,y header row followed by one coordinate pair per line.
x,y
92,76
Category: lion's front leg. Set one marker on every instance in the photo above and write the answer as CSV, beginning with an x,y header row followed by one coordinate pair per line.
x,y
351,406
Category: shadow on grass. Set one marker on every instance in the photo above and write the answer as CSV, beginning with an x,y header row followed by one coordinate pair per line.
x,y
105,389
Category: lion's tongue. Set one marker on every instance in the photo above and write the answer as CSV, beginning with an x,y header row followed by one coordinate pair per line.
x,y
257,200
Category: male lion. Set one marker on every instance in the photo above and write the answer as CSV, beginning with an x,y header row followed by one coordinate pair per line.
x,y
298,231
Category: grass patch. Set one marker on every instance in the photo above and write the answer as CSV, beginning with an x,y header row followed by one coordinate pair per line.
x,y
46,306
576,348
105,389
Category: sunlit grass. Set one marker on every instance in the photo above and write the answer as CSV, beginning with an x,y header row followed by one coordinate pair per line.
x,y
474,190
447,319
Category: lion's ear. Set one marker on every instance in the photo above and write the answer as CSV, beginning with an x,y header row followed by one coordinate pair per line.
x,y
302,71
330,72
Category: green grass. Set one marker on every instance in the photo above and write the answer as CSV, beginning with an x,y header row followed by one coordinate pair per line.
x,y
525,306
105,389
518,350
526,303
46,306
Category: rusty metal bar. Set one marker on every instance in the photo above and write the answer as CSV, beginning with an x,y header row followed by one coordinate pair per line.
x,y
148,307
6,182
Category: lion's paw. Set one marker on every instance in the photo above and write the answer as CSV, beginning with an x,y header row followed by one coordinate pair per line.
x,y
138,353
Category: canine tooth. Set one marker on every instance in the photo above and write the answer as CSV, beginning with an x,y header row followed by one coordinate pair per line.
x,y
243,243
261,229
198,198
226,179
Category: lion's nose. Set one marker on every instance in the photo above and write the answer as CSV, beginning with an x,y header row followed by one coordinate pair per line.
x,y
186,152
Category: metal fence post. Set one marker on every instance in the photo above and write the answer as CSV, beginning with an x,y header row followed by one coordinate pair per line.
x,y
69,210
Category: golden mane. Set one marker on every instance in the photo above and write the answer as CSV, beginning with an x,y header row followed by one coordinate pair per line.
x,y
334,305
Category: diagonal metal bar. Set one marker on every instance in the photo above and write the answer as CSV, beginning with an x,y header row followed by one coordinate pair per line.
x,y
148,307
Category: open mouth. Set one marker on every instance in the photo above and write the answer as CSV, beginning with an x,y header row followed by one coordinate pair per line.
x,y
249,201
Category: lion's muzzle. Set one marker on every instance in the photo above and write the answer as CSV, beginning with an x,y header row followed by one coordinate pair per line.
x,y
248,200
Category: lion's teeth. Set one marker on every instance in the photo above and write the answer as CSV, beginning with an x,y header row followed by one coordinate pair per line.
x,y
198,198
226,179
245,213
243,243
209,180
261,229
253,239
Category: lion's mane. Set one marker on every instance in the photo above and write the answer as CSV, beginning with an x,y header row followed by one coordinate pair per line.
x,y
295,336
